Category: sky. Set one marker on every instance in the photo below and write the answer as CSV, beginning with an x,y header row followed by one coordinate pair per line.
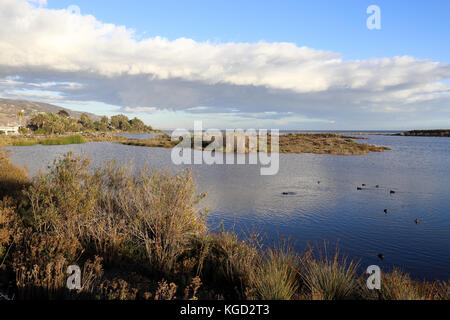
x,y
312,65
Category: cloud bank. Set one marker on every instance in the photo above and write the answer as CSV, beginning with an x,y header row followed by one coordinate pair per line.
x,y
64,56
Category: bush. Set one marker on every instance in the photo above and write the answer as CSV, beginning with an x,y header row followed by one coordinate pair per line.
x,y
158,210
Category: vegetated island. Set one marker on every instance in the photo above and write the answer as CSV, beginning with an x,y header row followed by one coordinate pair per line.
x,y
143,236
316,143
425,133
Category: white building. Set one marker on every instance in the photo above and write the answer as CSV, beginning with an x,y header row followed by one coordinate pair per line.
x,y
9,130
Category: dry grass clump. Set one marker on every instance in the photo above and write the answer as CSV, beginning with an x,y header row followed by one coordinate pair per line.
x,y
228,263
399,286
275,277
442,291
329,278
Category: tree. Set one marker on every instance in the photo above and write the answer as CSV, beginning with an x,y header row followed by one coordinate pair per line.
x,y
120,122
137,124
63,113
20,116
86,122
39,121
105,120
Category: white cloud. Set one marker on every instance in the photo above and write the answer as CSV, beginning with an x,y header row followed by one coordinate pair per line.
x,y
140,110
104,62
38,2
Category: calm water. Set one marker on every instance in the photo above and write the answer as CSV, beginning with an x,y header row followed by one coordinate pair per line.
x,y
417,169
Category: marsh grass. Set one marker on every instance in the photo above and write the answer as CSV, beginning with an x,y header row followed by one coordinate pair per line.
x,y
329,277
399,286
230,262
24,143
76,139
275,276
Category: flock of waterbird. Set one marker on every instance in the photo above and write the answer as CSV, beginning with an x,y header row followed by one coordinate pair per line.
x,y
386,211
417,221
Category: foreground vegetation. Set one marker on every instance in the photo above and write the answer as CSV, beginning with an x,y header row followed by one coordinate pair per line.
x,y
143,236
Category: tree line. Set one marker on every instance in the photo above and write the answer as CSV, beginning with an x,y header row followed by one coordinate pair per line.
x,y
62,122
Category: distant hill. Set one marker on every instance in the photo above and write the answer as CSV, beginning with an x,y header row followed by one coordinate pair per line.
x,y
9,109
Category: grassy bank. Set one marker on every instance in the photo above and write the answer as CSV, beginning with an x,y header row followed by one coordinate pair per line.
x,y
20,141
77,139
143,236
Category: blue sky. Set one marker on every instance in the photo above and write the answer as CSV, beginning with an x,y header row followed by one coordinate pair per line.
x,y
286,64
417,28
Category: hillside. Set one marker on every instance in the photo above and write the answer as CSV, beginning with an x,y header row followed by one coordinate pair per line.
x,y
9,109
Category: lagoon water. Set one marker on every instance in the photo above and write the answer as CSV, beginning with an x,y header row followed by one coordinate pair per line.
x,y
417,168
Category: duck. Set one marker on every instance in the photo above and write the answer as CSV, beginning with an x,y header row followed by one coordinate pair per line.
x,y
417,221
386,211
377,186
359,188
381,256
392,192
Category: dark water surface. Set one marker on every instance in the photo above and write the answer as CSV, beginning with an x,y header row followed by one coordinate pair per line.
x,y
418,169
